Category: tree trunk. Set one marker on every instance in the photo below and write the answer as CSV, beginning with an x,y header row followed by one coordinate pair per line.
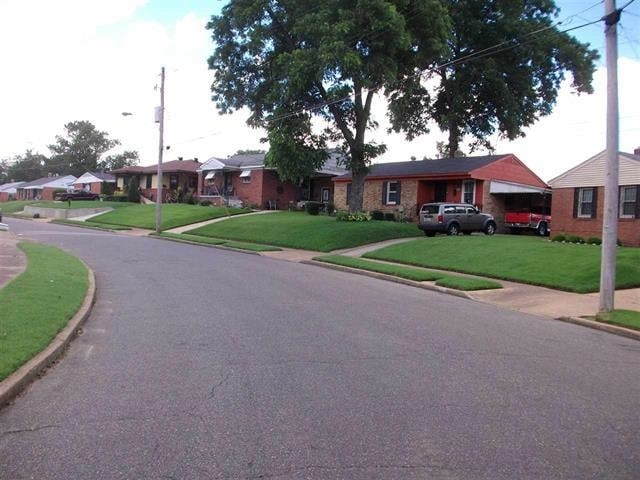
x,y
355,200
454,140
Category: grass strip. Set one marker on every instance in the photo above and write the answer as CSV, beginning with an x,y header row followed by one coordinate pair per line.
x,y
531,260
38,304
467,284
624,318
88,224
253,247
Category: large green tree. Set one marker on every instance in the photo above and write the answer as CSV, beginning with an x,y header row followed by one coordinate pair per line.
x,y
79,149
505,63
128,158
289,61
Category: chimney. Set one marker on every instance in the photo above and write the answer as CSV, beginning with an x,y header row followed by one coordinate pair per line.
x,y
179,159
637,152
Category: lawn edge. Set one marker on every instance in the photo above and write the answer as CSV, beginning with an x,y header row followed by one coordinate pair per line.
x,y
604,327
89,227
191,242
15,383
391,278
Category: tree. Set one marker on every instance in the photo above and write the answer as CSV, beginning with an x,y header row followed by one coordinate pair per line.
x,y
289,62
4,170
79,149
27,167
502,89
442,151
128,158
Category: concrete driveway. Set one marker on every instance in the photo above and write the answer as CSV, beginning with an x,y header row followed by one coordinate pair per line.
x,y
199,363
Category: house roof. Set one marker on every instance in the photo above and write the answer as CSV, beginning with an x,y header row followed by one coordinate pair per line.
x,y
49,182
256,160
174,166
592,172
440,166
92,177
10,187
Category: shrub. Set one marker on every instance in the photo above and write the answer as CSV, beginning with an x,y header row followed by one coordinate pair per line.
x,y
133,190
594,241
331,208
313,208
390,217
574,239
559,238
205,203
344,216
377,215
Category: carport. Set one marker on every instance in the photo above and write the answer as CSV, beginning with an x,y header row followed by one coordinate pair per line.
x,y
515,197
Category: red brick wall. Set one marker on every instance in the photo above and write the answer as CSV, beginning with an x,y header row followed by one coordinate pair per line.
x,y
47,193
562,220
274,189
4,197
509,169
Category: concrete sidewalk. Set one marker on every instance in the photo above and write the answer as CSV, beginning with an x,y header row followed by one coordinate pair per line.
x,y
12,260
193,226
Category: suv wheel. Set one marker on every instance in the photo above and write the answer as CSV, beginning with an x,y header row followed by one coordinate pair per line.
x,y
453,229
542,229
490,229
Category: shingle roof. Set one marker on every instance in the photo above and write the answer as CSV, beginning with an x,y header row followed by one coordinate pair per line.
x,y
429,167
37,182
174,166
330,167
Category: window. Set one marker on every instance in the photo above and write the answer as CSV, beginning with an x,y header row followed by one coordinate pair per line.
x,y
324,195
585,203
391,193
469,191
628,201
246,176
148,182
173,182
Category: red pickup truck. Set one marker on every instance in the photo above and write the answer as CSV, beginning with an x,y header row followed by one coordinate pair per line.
x,y
516,222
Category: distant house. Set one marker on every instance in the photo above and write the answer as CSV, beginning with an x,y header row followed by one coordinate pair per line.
x,y
94,181
246,178
494,183
176,174
8,191
44,188
578,198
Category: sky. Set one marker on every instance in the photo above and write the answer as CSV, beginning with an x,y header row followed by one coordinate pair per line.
x,y
92,60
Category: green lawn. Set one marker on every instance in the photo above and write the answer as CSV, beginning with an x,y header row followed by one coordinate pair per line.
x,y
624,318
39,303
89,224
309,232
533,260
411,273
253,247
14,205
83,204
173,215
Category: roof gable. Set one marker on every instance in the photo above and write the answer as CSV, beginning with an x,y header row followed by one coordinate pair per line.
x,y
510,169
592,172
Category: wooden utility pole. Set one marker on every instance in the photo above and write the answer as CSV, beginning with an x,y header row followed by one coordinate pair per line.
x,y
610,211
160,152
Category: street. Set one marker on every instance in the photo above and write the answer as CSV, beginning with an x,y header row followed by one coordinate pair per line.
x,y
199,363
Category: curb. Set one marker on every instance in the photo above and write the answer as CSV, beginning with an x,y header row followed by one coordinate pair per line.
x,y
190,242
391,278
15,383
605,327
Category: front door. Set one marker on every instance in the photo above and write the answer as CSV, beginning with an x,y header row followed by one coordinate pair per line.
x,y
441,192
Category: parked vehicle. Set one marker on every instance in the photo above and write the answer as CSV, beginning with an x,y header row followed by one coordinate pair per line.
x,y
453,218
518,222
77,195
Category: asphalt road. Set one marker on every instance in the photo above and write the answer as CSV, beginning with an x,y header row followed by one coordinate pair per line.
x,y
199,363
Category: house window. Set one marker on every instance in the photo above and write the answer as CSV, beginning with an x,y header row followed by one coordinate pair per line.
x,y
246,176
173,181
193,182
148,182
391,193
585,203
469,191
628,201
324,195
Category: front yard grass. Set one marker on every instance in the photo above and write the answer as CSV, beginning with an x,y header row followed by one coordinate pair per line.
x,y
624,318
253,247
301,230
410,273
14,206
36,305
89,224
532,260
173,215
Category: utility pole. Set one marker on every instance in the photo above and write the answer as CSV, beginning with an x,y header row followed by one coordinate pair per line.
x,y
160,151
610,211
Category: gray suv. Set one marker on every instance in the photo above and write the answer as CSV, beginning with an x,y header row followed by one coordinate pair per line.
x,y
453,218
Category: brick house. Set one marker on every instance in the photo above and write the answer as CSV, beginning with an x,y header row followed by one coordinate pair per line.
x,y
245,178
44,188
494,183
9,191
93,181
578,198
176,174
